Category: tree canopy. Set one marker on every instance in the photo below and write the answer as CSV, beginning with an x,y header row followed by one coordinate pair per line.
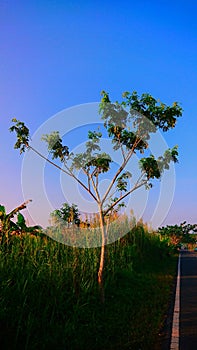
x,y
179,234
67,213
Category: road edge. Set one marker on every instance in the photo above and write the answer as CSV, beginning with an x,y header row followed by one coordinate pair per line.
x,y
174,345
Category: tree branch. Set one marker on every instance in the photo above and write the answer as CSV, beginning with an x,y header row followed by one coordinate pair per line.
x,y
95,187
68,172
137,185
126,159
122,150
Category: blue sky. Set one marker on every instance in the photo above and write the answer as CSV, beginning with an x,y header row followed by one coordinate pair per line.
x,y
58,54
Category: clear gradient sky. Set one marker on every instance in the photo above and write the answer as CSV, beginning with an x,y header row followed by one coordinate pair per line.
x,y
58,54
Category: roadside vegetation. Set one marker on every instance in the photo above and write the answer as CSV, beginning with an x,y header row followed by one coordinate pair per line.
x,y
181,236
50,296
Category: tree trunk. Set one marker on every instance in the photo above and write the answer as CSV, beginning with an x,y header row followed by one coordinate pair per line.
x,y
102,256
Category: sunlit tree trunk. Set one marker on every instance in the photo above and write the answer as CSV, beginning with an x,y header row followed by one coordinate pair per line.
x,y
102,256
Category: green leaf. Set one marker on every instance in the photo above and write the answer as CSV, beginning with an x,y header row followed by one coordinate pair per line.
x,y
2,210
151,167
20,220
55,146
22,134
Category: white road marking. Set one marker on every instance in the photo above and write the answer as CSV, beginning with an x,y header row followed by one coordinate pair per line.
x,y
176,316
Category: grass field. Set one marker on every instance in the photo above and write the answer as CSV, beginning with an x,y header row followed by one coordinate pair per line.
x,y
49,297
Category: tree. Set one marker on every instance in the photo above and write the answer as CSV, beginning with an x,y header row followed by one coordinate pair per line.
x,y
128,124
179,234
67,213
172,234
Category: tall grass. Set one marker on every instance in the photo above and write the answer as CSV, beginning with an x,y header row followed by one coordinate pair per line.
x,y
49,297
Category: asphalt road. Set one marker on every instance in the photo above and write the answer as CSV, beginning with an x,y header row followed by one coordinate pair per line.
x,y
188,301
